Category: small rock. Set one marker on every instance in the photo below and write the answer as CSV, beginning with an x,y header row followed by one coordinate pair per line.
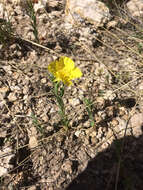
x,y
135,8
67,166
3,90
122,111
16,75
121,127
25,90
91,132
3,133
43,80
94,140
141,86
12,97
52,110
112,24
109,95
33,187
86,124
114,122
3,13
110,133
100,100
79,11
136,123
7,69
4,160
44,117
77,133
40,5
2,102
86,141
1,10
33,142
74,101
15,88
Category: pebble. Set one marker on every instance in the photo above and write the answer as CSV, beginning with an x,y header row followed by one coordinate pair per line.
x,y
33,187
16,75
78,11
3,90
43,80
109,95
25,97
12,97
114,122
25,90
109,134
4,160
94,140
122,124
100,100
112,24
15,88
74,101
67,166
77,133
7,69
33,142
135,8
2,103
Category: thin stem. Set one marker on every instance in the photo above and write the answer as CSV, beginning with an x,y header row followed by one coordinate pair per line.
x,y
59,92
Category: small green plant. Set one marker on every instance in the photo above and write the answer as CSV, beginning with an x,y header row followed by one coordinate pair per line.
x,y
6,31
63,71
58,93
31,13
140,47
89,109
1,180
37,124
139,36
101,93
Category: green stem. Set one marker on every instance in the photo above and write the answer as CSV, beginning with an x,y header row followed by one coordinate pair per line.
x,y
59,92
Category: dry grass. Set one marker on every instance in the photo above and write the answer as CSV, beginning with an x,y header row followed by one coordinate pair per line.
x,y
121,40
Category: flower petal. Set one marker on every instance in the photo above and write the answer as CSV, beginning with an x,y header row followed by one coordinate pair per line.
x,y
64,70
76,73
69,64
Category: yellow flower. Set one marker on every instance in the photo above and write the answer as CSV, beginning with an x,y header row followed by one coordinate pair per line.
x,y
64,70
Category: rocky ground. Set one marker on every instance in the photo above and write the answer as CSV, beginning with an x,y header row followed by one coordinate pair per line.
x,y
36,152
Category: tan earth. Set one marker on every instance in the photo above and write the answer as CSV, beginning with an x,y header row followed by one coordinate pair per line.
x,y
36,150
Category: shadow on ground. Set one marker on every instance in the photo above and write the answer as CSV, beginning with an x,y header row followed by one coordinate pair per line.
x,y
102,171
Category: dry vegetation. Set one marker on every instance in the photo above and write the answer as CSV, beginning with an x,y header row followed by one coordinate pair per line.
x,y
104,107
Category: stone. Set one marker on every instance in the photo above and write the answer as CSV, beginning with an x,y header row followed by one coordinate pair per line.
x,y
135,8
112,24
109,95
77,133
3,91
5,160
33,187
43,80
67,166
79,11
12,97
39,5
114,122
8,69
74,101
1,10
33,142
136,122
